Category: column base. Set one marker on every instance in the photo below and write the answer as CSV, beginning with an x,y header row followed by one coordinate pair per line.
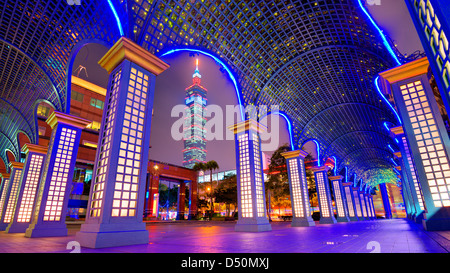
x,y
342,219
353,219
112,239
302,222
436,224
111,235
418,218
35,231
3,226
17,227
327,220
253,226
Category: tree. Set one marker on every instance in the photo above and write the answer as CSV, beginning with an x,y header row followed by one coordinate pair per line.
x,y
226,192
211,165
277,177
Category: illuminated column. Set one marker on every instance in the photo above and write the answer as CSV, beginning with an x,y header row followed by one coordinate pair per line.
x,y
10,197
301,208
357,200
26,196
116,201
372,207
351,206
251,196
386,202
362,199
4,184
324,195
413,183
427,138
340,198
49,213
368,208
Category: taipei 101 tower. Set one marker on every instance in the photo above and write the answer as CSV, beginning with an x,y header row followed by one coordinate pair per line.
x,y
194,123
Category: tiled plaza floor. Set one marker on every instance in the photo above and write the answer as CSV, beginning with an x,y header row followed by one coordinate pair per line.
x,y
385,236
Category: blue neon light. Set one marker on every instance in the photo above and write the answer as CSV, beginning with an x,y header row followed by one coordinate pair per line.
x,y
386,126
230,74
335,165
389,146
393,161
385,42
289,127
318,151
386,101
119,25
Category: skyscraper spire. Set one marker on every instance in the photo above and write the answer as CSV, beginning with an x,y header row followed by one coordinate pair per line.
x,y
196,77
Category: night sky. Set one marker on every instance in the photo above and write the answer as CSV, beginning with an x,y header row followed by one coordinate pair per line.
x,y
392,16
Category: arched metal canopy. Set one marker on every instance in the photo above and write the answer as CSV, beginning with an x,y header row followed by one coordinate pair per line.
x,y
317,60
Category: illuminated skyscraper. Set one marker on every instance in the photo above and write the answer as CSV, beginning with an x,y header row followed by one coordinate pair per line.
x,y
195,121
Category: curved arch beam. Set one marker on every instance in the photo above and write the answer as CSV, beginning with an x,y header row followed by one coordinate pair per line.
x,y
219,61
37,65
21,115
366,148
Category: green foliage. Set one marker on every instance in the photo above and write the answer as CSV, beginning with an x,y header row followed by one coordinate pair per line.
x,y
378,175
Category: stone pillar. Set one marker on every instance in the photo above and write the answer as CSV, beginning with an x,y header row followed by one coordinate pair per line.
x,y
372,207
324,195
250,184
340,198
351,206
181,201
298,186
116,200
386,202
368,208
426,135
11,190
413,182
49,213
26,195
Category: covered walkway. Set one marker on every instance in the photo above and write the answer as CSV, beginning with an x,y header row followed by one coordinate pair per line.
x,y
387,236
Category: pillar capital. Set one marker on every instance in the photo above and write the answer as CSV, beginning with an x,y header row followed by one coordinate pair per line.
x,y
15,165
33,148
125,48
406,71
292,154
5,175
397,131
337,177
249,124
320,168
58,117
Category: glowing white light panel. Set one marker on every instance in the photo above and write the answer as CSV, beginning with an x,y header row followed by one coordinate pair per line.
x,y
297,200
245,179
412,170
321,190
357,204
59,176
431,148
30,188
12,197
258,177
348,194
129,163
2,198
338,196
104,154
363,204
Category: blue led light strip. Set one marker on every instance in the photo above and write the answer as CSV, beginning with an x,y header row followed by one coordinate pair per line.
x,y
318,151
233,79
386,100
385,42
289,127
119,25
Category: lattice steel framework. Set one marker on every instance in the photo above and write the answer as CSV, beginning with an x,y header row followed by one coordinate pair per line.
x,y
316,59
